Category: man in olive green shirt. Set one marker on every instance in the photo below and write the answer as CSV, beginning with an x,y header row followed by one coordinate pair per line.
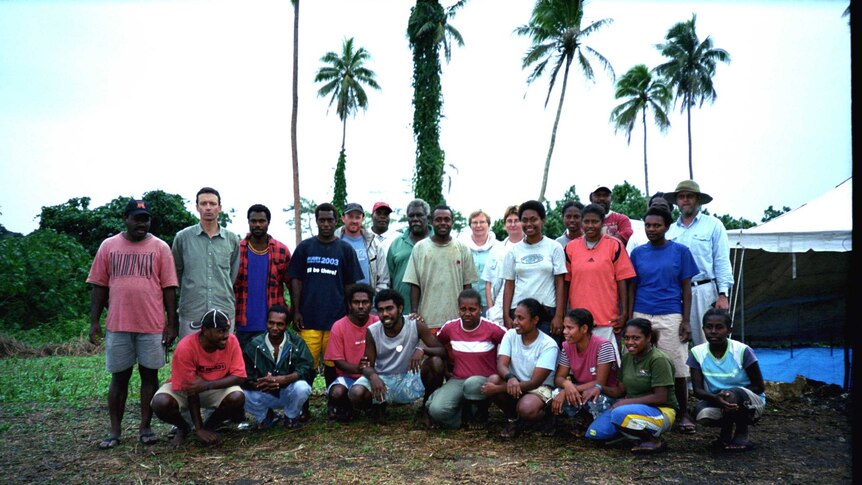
x,y
207,260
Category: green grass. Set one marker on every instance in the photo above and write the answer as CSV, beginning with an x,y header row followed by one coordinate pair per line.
x,y
71,381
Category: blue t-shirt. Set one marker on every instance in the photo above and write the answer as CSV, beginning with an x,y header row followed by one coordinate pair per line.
x,y
660,271
358,245
255,310
324,269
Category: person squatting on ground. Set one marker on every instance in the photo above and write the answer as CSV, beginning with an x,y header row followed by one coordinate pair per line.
x,y
474,342
646,405
134,270
586,365
726,378
523,383
206,373
278,365
346,349
661,293
396,368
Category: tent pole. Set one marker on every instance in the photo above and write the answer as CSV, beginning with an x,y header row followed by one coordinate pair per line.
x,y
742,294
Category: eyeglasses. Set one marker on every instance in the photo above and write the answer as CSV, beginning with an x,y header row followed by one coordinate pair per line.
x,y
478,222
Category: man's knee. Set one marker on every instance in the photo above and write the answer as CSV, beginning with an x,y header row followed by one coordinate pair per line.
x,y
122,378
302,389
434,366
164,404
338,392
233,400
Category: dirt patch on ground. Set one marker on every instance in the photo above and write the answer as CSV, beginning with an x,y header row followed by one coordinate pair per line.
x,y
802,439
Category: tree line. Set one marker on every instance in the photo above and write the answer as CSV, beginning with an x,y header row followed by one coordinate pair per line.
x,y
45,271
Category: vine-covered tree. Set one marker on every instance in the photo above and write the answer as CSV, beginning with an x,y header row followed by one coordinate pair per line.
x,y
558,39
427,29
641,92
345,76
690,69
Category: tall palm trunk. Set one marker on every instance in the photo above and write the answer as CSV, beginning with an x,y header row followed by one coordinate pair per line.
x,y
343,131
688,112
554,131
297,203
646,172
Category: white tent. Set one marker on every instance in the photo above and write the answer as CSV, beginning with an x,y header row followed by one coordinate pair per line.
x,y
823,224
792,272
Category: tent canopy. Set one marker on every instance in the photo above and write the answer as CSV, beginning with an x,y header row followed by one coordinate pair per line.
x,y
822,224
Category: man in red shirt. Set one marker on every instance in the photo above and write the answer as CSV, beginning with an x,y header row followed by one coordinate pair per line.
x,y
616,224
206,372
135,270
347,347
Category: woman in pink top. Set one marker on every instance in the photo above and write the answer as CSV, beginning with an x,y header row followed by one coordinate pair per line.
x,y
586,364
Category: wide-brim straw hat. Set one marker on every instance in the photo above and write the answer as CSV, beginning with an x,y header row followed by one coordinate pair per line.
x,y
688,186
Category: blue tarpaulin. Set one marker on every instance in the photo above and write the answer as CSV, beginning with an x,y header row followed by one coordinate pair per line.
x,y
818,363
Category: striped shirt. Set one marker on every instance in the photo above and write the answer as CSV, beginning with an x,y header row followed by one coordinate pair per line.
x,y
474,352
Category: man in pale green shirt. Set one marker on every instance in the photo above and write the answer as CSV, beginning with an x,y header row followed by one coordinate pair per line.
x,y
398,254
207,260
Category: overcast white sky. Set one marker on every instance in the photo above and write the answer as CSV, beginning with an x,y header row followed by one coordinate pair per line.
x,y
109,98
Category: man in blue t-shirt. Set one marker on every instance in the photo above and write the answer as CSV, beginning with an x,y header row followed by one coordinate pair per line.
x,y
661,293
321,270
369,250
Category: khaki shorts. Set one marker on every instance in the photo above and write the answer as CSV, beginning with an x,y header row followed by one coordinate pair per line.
x,y
209,399
544,392
667,327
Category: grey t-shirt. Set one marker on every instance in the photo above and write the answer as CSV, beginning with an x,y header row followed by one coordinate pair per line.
x,y
393,353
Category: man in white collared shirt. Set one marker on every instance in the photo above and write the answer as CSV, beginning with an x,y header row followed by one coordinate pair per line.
x,y
706,237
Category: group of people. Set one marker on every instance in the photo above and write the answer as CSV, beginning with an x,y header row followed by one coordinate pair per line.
x,y
590,326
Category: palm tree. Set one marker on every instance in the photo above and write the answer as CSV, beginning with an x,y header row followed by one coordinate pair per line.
x,y
690,69
557,38
642,92
345,75
294,152
428,28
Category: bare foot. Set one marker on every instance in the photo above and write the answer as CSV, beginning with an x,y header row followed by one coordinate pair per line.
x,y
179,438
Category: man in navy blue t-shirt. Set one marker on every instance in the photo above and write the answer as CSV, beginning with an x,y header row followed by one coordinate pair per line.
x,y
321,270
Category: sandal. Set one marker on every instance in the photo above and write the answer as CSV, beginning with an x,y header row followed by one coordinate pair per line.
x,y
109,442
148,437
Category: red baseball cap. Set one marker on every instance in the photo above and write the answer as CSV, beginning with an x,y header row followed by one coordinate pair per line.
x,y
378,205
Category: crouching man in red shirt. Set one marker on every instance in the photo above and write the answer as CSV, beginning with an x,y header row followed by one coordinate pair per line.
x,y
206,373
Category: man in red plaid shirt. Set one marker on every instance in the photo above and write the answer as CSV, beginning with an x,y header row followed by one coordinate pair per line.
x,y
262,276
